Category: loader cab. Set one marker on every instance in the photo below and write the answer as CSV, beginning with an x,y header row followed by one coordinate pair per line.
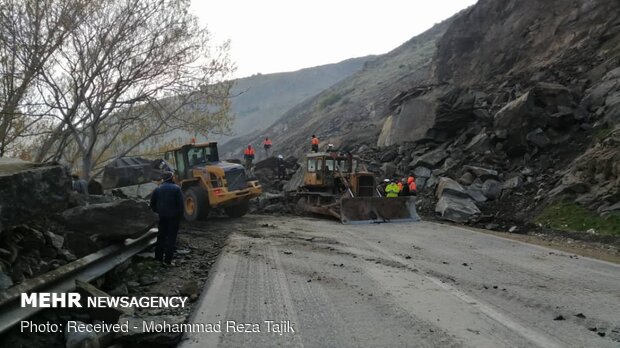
x,y
321,168
190,156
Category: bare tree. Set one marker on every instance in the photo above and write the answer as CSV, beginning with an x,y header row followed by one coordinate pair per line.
x,y
132,71
31,31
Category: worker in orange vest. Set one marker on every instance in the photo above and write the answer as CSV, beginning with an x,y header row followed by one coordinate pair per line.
x,y
267,146
248,154
413,188
315,143
400,185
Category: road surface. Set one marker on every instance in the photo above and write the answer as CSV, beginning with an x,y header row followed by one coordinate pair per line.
x,y
401,285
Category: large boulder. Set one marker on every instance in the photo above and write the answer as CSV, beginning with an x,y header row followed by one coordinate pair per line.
x,y
492,189
545,105
570,184
113,221
476,193
432,159
456,209
448,186
388,169
422,172
30,189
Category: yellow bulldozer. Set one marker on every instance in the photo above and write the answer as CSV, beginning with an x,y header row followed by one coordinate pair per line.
x,y
340,186
209,183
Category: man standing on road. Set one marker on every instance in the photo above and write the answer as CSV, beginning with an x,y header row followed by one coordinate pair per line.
x,y
404,191
413,188
391,190
381,187
167,202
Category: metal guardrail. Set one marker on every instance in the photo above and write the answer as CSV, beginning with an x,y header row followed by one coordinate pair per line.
x,y
63,278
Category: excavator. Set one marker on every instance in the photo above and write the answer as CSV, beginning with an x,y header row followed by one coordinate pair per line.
x,y
340,186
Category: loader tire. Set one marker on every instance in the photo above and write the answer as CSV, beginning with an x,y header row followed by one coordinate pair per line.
x,y
238,210
195,204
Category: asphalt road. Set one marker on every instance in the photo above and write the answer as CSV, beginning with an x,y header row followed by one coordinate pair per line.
x,y
402,285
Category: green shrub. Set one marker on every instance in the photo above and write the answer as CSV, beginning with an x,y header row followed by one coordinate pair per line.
x,y
566,216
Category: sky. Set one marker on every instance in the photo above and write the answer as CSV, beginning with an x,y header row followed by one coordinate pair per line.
x,y
270,36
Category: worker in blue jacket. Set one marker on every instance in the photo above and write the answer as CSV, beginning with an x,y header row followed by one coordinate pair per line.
x,y
167,202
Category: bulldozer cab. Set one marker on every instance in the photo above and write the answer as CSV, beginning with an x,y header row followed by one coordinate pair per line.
x,y
187,157
338,173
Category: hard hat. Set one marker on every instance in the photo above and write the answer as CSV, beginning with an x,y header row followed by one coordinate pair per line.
x,y
386,180
280,156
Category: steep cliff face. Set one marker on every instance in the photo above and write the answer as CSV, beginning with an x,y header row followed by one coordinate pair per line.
x,y
497,51
519,38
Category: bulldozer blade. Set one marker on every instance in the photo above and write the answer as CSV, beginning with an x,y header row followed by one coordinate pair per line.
x,y
359,210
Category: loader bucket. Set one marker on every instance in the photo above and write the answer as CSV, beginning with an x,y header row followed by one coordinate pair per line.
x,y
359,210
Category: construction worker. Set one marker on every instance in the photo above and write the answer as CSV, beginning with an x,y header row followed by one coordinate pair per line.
x,y
391,190
281,167
404,191
248,154
315,143
400,185
413,188
381,187
167,202
79,185
267,146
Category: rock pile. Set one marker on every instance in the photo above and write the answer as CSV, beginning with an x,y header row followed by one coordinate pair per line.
x,y
273,201
45,225
513,153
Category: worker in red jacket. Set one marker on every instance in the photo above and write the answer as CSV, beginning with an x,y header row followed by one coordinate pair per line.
x,y
315,143
267,146
413,188
248,154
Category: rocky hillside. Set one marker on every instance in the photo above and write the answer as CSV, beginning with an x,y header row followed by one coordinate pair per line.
x,y
259,100
508,108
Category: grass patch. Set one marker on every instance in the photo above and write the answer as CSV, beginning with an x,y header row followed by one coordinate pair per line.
x,y
572,217
602,133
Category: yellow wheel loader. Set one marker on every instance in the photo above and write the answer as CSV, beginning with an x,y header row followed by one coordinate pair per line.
x,y
209,183
340,186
